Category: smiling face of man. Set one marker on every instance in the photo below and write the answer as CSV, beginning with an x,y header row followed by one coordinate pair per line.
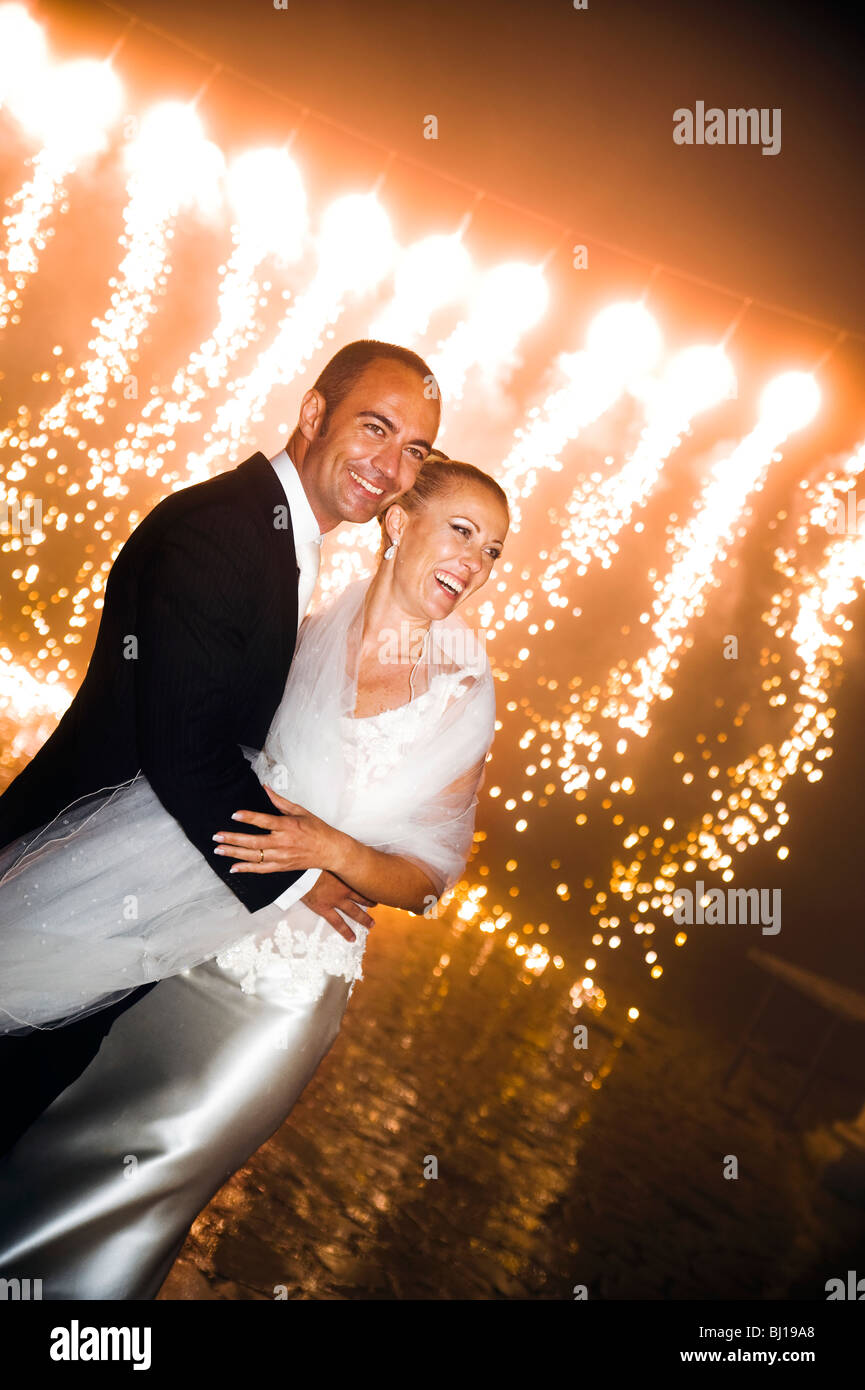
x,y
359,457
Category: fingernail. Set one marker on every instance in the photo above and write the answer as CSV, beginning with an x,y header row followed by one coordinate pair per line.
x,y
235,815
233,870
217,837
218,850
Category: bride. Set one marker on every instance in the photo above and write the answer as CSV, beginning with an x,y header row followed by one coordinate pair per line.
x,y
380,742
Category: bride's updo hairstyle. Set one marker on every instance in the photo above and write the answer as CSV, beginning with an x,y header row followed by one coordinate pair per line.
x,y
438,474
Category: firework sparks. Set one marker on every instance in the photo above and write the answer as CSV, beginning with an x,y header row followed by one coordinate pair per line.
x,y
355,248
267,193
506,303
432,273
622,345
699,547
695,380
70,109
171,164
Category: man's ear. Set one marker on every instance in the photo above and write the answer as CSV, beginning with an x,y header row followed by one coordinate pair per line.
x,y
312,413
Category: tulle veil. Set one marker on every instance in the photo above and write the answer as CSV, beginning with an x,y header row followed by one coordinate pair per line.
x,y
423,809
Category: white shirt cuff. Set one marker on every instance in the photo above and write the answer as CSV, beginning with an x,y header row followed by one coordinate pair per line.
x,y
298,889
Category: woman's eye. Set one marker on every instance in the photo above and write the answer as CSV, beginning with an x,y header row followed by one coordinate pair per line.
x,y
373,426
463,530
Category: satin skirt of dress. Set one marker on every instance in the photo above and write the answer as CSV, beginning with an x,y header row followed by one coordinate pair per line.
x,y
97,1197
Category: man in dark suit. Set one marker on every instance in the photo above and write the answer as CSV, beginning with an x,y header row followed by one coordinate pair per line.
x,y
195,641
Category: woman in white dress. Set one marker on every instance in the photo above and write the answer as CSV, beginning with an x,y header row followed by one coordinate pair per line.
x,y
379,742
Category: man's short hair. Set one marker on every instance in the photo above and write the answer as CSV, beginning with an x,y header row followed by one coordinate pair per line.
x,y
339,375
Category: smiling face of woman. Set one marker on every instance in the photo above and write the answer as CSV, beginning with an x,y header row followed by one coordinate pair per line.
x,y
446,548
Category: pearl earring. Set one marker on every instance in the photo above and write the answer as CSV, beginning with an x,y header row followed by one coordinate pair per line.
x,y
391,550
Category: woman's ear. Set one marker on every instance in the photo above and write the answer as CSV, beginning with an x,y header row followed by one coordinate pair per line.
x,y
395,522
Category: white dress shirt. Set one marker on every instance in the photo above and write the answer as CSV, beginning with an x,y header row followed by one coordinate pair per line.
x,y
307,544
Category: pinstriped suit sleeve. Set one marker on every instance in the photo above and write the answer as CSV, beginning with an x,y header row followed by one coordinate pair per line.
x,y
197,602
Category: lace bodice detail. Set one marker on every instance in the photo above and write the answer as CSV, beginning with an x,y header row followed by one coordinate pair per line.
x,y
297,955
375,744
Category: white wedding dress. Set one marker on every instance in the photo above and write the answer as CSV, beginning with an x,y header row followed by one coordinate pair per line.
x,y
96,1198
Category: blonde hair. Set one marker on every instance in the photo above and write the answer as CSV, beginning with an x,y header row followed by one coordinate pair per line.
x,y
438,474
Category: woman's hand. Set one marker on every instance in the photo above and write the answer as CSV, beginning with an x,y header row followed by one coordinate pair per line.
x,y
297,840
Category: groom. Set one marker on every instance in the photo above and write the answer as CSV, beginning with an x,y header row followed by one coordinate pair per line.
x,y
197,634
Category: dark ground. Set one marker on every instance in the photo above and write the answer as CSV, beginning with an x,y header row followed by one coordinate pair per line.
x,y
555,1168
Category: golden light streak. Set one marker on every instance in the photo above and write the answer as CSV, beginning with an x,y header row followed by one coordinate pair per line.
x,y
505,303
23,54
751,811
269,200
695,380
701,545
430,274
355,250
623,344
70,109
172,165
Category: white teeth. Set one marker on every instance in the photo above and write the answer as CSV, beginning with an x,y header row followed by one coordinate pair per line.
x,y
376,491
449,583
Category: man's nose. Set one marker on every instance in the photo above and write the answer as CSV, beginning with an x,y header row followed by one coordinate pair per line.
x,y
387,460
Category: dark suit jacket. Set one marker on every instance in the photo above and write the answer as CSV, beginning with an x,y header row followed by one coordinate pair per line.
x,y
206,587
